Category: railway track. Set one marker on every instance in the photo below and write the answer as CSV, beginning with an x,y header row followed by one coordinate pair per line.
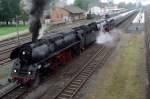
x,y
82,76
15,93
13,40
5,53
12,91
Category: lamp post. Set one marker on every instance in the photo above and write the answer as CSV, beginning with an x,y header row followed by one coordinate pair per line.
x,y
17,22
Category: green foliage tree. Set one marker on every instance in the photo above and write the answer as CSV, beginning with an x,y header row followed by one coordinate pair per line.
x,y
23,14
1,10
9,9
78,3
85,4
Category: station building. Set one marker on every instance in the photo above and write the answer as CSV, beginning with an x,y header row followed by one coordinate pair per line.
x,y
67,13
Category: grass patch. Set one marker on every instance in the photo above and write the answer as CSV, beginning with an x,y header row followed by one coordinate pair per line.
x,y
123,78
11,28
126,82
128,75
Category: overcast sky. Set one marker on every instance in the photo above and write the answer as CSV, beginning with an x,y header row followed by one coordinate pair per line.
x,y
144,2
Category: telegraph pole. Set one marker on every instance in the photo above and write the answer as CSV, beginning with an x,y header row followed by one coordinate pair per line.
x,y
17,28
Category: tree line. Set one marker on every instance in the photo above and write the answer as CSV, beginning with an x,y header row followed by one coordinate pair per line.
x,y
85,4
9,10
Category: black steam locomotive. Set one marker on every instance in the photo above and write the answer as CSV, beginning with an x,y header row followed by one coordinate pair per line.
x,y
33,59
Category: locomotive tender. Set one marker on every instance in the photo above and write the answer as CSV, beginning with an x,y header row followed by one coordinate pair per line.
x,y
33,59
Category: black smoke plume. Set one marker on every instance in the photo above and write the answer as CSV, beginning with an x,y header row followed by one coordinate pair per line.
x,y
36,13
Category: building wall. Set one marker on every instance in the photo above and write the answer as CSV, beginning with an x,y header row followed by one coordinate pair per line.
x,y
59,14
78,17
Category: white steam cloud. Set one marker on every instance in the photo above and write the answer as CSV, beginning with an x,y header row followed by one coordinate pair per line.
x,y
108,38
104,38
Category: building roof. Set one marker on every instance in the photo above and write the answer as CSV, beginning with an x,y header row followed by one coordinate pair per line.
x,y
73,9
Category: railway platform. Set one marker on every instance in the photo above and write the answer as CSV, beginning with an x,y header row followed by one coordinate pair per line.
x,y
137,24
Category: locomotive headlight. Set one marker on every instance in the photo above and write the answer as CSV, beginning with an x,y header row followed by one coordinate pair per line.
x,y
23,52
29,73
15,70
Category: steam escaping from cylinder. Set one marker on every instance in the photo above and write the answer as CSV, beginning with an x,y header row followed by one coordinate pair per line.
x,y
109,39
104,37
36,13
